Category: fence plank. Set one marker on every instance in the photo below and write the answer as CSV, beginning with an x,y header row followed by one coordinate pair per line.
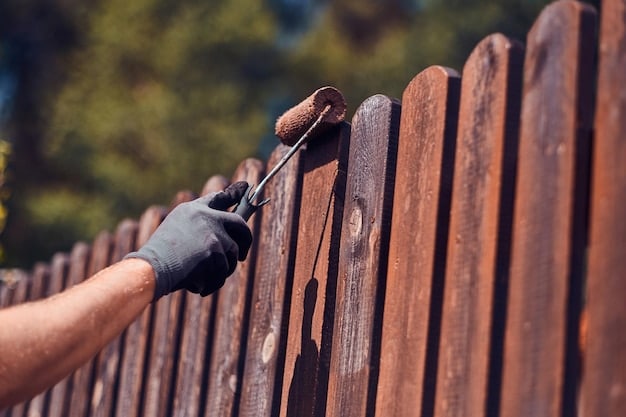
x,y
363,250
231,319
6,289
196,322
101,250
549,224
604,376
103,400
215,183
161,363
5,294
166,328
276,242
419,230
131,376
21,293
311,313
480,231
61,393
40,281
16,291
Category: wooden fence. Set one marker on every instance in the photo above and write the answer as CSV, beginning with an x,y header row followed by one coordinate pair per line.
x,y
461,252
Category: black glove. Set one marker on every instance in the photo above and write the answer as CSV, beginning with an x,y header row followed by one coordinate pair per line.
x,y
198,244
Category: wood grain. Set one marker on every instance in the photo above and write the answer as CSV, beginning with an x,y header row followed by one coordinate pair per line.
x,y
549,232
363,250
480,231
604,377
417,250
40,279
312,305
16,282
232,312
158,385
276,241
101,249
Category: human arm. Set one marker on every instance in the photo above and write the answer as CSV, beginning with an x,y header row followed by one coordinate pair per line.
x,y
196,247
42,342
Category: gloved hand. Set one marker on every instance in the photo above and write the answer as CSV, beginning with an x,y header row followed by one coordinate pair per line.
x,y
198,244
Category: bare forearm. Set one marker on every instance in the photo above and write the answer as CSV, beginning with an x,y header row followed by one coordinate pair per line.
x,y
196,247
44,341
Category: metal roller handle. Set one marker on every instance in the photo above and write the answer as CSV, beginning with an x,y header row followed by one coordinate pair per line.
x,y
246,207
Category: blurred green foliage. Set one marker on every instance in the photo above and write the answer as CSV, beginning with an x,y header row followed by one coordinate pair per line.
x,y
119,104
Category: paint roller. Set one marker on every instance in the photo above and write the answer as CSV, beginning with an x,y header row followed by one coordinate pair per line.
x,y
317,114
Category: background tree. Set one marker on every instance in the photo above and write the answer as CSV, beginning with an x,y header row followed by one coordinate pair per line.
x,y
155,97
35,38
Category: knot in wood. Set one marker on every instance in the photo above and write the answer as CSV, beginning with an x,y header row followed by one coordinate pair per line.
x,y
356,221
267,351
